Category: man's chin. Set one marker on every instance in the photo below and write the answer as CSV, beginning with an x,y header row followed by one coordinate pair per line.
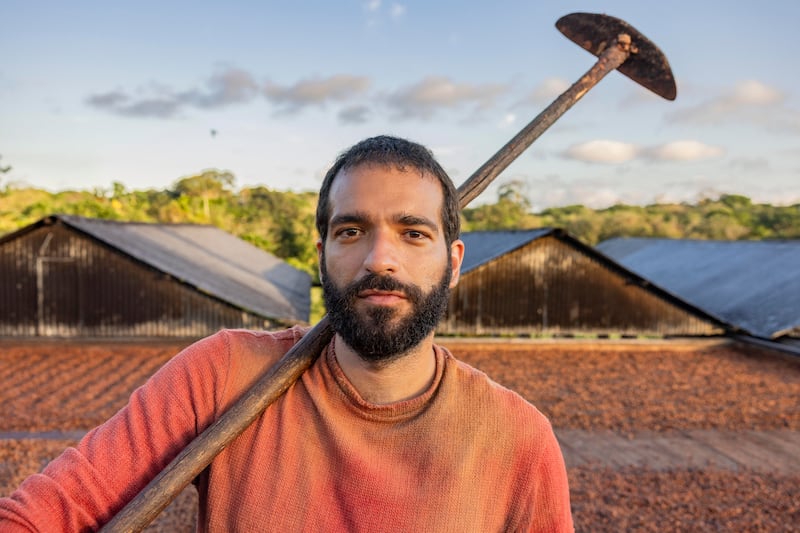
x,y
386,324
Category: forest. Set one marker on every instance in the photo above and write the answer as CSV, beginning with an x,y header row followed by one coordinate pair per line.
x,y
282,222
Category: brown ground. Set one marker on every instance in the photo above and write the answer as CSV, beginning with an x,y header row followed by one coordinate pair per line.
x,y
625,387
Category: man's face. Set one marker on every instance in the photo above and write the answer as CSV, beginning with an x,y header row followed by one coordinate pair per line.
x,y
385,266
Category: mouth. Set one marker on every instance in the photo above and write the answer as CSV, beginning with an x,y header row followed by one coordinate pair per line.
x,y
379,297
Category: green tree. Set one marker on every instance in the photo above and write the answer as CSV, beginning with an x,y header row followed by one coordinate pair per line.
x,y
511,211
579,220
4,170
206,186
280,222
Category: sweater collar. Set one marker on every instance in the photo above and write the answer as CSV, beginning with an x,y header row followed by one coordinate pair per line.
x,y
391,411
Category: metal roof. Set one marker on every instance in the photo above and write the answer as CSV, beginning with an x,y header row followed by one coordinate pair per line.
x,y
212,260
483,246
751,285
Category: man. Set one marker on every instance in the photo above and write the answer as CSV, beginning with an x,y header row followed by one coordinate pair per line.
x,y
385,432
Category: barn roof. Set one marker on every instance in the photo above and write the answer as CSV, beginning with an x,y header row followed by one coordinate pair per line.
x,y
751,285
481,247
212,260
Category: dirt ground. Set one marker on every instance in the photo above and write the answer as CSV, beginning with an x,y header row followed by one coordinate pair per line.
x,y
664,386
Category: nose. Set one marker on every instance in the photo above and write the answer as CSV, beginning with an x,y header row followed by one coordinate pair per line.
x,y
382,257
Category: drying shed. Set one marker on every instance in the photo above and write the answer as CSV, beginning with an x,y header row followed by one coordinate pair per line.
x,y
69,276
753,286
545,281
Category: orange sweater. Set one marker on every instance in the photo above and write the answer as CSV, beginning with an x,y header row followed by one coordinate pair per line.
x,y
466,455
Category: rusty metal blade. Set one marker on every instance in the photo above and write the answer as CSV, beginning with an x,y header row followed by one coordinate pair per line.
x,y
648,66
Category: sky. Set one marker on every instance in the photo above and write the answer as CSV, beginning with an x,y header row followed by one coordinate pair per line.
x,y
145,93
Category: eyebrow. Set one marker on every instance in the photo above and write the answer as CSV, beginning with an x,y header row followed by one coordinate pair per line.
x,y
414,220
357,217
405,219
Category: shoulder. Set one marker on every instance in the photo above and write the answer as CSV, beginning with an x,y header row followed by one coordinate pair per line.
x,y
240,346
509,422
253,352
514,434
260,344
502,407
235,358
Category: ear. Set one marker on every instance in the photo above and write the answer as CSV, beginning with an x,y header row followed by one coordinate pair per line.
x,y
319,257
456,258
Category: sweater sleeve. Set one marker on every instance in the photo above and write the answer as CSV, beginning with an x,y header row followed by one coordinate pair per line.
x,y
550,489
87,485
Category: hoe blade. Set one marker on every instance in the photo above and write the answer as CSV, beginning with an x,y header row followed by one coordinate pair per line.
x,y
647,66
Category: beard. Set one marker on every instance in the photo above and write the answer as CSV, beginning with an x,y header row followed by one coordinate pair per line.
x,y
374,333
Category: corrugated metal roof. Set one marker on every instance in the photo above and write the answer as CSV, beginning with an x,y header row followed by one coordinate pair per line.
x,y
483,246
211,260
751,285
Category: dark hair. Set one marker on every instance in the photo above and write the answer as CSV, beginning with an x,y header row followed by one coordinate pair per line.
x,y
401,153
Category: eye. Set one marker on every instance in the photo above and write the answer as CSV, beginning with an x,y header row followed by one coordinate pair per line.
x,y
348,233
415,234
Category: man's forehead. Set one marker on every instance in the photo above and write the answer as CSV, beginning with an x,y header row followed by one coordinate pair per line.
x,y
370,167
386,187
406,175
409,177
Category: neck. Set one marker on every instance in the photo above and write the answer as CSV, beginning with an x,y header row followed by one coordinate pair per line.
x,y
383,382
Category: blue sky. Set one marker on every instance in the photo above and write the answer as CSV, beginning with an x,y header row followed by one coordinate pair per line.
x,y
97,92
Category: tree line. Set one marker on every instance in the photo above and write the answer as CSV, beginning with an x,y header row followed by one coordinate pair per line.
x,y
282,222
727,217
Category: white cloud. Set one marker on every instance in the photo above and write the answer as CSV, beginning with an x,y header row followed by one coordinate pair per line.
x,y
397,10
602,151
684,151
448,150
507,120
357,114
372,5
556,190
615,152
547,90
752,92
232,85
316,91
223,88
436,92
749,101
750,164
